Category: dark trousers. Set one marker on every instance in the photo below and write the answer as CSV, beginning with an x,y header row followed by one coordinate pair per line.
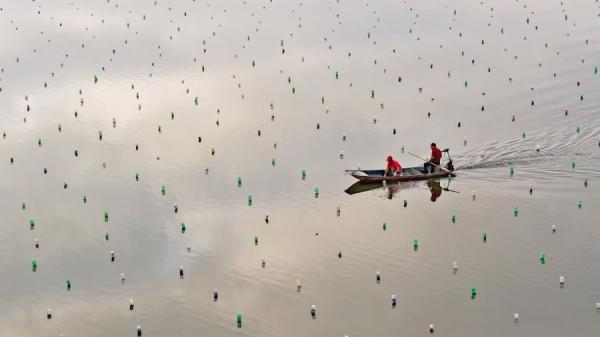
x,y
428,167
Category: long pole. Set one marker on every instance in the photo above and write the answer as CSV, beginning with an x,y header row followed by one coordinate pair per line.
x,y
423,159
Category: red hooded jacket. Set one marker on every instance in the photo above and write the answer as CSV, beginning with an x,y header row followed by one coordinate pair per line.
x,y
393,165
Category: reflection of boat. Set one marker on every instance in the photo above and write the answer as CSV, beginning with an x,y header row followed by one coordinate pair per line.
x,y
408,174
360,187
433,185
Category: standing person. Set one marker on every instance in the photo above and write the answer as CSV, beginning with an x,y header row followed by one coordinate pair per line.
x,y
436,157
393,167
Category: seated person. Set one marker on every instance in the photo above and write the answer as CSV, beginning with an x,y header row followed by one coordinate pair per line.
x,y
436,157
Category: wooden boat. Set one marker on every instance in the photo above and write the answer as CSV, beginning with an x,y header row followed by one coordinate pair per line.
x,y
408,174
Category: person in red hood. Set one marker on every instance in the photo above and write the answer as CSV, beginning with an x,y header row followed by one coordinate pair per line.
x,y
436,157
393,167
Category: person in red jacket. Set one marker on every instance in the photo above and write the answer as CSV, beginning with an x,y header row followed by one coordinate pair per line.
x,y
436,157
393,167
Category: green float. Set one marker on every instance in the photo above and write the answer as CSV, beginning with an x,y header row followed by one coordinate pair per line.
x,y
542,257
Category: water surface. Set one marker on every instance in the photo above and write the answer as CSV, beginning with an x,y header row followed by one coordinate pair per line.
x,y
222,71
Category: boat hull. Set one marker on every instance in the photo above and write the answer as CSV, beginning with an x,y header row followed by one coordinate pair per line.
x,y
408,174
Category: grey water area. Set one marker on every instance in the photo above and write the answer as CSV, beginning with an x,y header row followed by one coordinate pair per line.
x,y
143,128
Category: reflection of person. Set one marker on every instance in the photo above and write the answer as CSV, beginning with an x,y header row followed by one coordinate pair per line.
x,y
393,190
393,167
435,188
436,158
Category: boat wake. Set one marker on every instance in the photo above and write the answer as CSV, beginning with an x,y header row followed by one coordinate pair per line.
x,y
539,149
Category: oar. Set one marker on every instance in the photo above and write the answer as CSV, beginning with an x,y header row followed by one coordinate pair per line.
x,y
423,159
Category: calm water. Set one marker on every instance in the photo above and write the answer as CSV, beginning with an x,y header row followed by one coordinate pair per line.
x,y
222,70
